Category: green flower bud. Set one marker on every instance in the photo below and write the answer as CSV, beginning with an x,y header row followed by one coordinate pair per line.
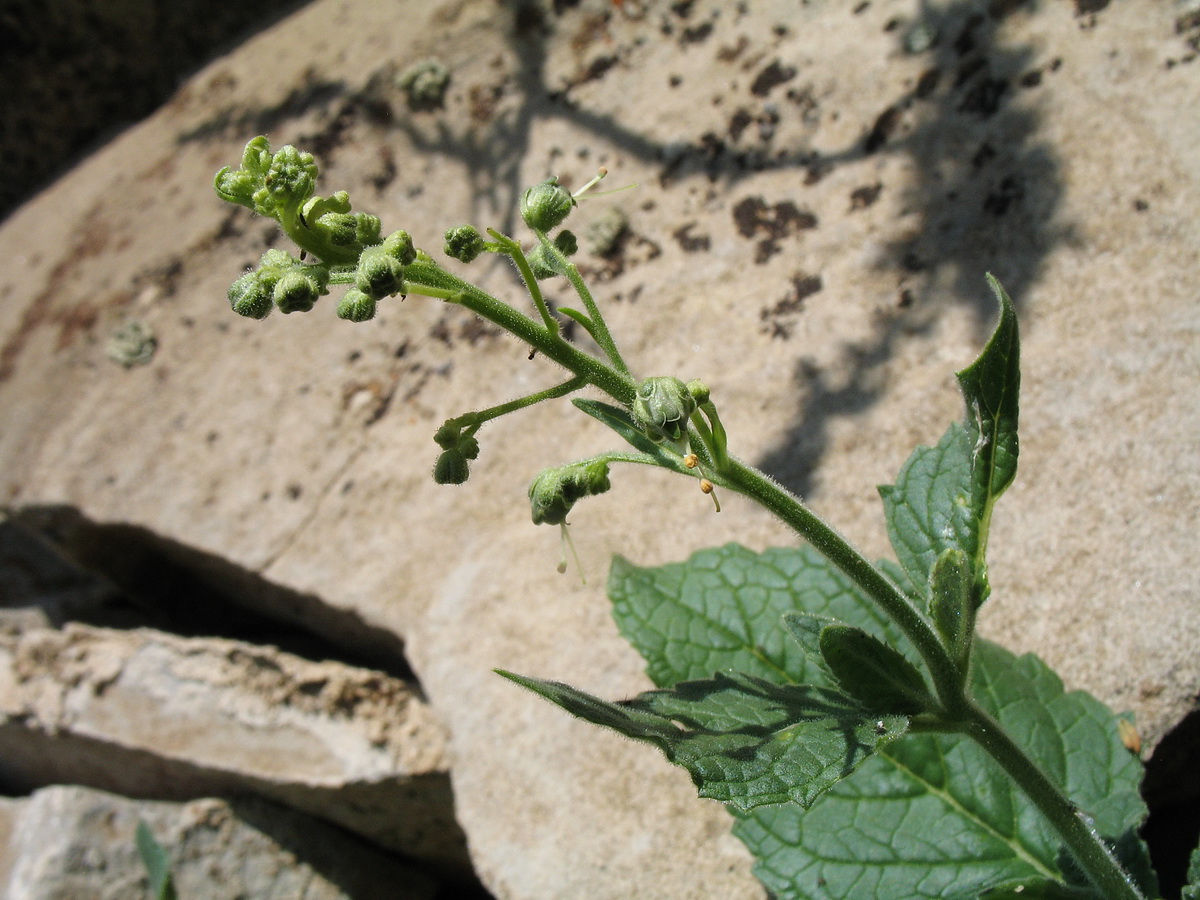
x,y
340,228
555,491
291,178
699,391
464,243
566,242
457,449
540,262
367,229
296,291
379,273
662,407
356,306
546,206
249,297
240,186
399,245
451,468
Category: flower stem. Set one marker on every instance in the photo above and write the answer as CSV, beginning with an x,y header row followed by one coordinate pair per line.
x,y
426,277
513,249
746,480
473,420
1072,824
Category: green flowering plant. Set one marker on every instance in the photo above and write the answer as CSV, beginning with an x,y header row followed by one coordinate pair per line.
x,y
865,739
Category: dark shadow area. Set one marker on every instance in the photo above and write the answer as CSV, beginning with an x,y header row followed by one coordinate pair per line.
x,y
74,75
29,763
985,195
1171,789
123,576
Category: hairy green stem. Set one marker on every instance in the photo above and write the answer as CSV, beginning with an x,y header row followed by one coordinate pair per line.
x,y
513,249
599,330
772,496
428,278
1084,844
473,420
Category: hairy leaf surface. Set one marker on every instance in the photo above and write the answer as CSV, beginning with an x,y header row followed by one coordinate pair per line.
x,y
929,816
933,816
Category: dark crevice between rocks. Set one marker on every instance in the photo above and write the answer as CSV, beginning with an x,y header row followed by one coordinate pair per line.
x,y
137,774
57,566
163,584
1172,791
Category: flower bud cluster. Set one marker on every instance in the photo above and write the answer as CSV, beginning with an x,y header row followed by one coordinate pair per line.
x,y
271,184
464,243
280,280
458,449
555,491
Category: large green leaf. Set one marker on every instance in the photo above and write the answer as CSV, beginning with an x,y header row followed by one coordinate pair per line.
x,y
930,816
723,610
934,817
745,741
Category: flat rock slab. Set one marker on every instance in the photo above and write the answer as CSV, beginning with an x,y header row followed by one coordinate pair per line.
x,y
821,188
153,715
68,841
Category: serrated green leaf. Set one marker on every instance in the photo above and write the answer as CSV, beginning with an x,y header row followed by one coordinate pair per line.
x,y
806,631
991,386
157,863
928,509
944,495
872,672
744,740
933,817
723,609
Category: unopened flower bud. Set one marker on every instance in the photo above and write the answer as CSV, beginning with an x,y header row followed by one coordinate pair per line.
x,y
367,228
555,491
451,468
356,306
464,243
340,228
545,206
399,246
540,263
566,242
250,297
296,292
699,391
379,273
662,407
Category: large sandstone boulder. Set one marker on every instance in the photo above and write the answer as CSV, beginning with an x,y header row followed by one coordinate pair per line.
x,y
821,188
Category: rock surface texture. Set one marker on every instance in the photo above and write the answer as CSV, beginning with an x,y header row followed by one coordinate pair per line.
x,y
66,842
821,188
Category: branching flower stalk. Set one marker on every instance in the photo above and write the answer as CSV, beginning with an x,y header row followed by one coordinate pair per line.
x,y
674,425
